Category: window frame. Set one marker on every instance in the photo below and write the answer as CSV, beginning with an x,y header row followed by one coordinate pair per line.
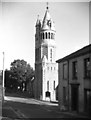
x,y
74,70
48,85
64,95
54,84
65,78
51,54
46,35
86,70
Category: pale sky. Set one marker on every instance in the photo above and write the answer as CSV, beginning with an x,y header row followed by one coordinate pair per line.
x,y
17,38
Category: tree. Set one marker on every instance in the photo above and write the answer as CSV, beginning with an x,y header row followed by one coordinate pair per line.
x,y
10,81
22,73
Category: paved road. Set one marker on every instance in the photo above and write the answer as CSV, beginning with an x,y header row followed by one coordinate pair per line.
x,y
31,108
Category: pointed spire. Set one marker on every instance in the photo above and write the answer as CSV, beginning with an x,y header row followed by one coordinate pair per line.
x,y
46,18
38,20
47,21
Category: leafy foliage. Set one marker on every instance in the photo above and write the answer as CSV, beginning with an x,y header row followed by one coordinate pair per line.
x,y
21,70
19,75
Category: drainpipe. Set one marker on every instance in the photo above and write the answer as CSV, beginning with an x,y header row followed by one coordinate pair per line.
x,y
3,78
68,84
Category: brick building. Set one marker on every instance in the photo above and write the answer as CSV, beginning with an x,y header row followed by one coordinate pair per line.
x,y
74,74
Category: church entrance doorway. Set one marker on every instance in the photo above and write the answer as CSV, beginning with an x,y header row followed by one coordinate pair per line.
x,y
47,94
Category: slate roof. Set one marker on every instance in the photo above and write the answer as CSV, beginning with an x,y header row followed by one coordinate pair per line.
x,y
80,52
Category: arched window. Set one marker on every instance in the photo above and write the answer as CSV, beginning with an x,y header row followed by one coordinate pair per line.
x,y
43,35
54,84
49,35
51,68
54,36
54,68
51,55
46,35
47,85
48,68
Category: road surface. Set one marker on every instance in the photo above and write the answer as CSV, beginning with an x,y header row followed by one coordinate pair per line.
x,y
31,108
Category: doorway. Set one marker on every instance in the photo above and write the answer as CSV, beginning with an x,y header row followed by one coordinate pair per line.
x,y
47,95
87,100
74,97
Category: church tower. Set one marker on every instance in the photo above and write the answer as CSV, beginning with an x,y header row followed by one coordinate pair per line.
x,y
46,73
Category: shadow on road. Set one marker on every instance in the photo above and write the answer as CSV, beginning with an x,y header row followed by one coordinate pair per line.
x,y
18,94
27,107
22,110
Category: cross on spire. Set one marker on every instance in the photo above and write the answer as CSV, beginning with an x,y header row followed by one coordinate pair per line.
x,y
47,6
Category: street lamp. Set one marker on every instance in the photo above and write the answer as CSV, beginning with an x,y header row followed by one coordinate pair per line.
x,y
3,77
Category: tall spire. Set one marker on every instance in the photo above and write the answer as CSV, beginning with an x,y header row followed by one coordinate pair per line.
x,y
47,21
38,20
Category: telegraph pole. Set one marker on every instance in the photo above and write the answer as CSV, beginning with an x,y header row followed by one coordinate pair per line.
x,y
3,77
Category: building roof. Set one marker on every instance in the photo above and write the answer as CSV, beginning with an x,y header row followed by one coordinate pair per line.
x,y
80,52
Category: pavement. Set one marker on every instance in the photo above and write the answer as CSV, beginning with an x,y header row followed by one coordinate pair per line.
x,y
29,101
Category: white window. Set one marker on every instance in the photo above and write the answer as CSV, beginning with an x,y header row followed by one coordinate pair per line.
x,y
54,84
47,85
51,55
